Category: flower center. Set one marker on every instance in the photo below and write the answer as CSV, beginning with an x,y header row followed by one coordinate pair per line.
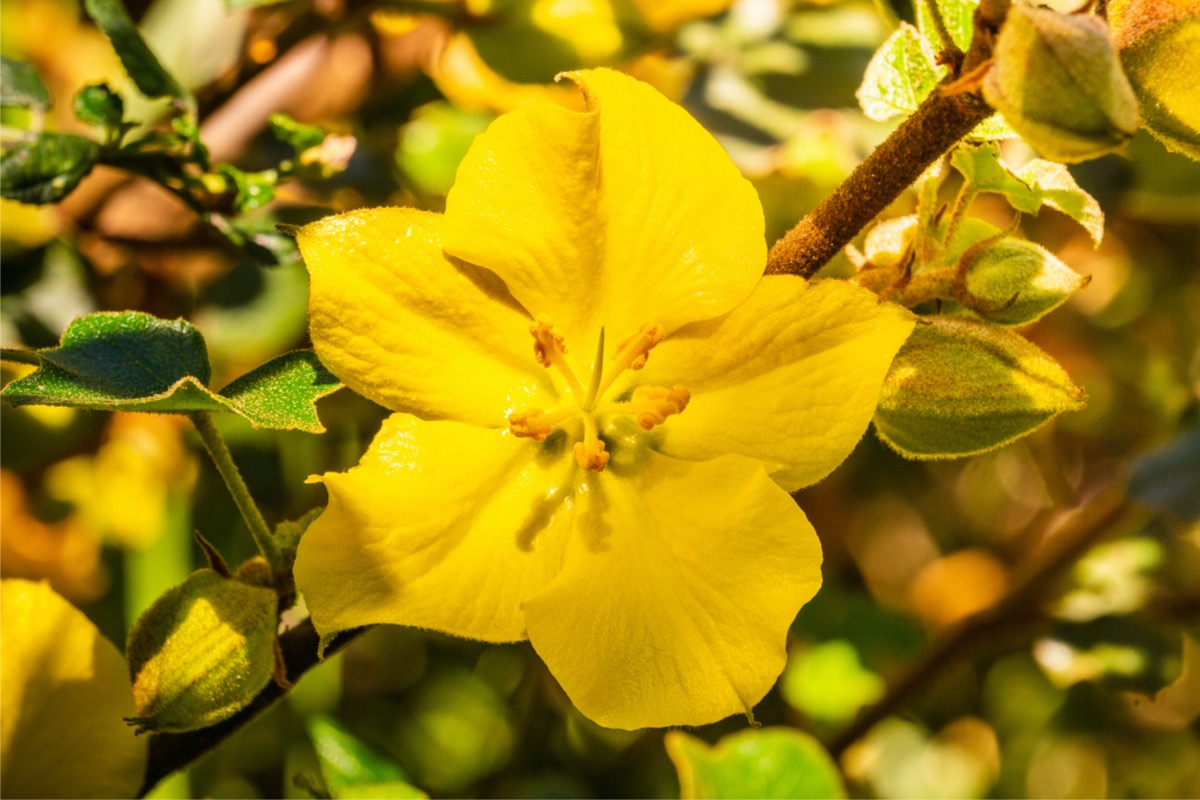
x,y
648,405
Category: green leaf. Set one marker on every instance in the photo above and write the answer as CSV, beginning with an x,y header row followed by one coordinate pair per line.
x,y
131,361
958,16
960,387
901,73
1038,183
100,106
297,135
760,762
21,86
46,169
151,78
433,143
254,189
352,769
828,682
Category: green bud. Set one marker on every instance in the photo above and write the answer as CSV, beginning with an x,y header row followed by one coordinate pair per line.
x,y
100,106
201,653
959,387
1057,81
1159,45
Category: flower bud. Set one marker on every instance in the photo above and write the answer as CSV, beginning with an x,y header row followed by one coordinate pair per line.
x,y
201,653
1159,45
1014,282
1057,81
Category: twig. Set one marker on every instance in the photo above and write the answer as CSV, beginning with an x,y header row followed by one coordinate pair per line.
x,y
935,127
1075,534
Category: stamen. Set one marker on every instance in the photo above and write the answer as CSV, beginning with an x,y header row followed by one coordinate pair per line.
x,y
549,349
533,423
591,455
632,353
651,405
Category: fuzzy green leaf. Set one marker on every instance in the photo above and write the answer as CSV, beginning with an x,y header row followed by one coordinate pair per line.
x,y
901,73
959,387
297,135
1037,184
151,78
46,169
760,762
958,16
131,361
21,86
352,769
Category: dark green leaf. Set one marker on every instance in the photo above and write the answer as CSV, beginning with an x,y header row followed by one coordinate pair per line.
x,y
21,86
46,169
297,135
143,66
131,361
352,769
100,106
763,762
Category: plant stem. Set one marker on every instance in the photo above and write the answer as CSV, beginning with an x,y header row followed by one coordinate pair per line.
x,y
949,46
1076,532
19,356
217,448
935,127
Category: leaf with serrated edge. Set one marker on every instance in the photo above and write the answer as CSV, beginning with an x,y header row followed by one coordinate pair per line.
x,y
759,762
901,73
132,361
960,388
1038,183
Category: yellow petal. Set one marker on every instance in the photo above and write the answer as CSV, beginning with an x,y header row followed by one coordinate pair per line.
x,y
600,218
441,525
403,325
65,691
678,587
790,377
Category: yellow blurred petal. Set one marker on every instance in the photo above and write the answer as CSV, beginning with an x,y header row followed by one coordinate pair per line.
x,y
789,377
404,326
598,218
65,691
441,525
678,587
667,15
466,80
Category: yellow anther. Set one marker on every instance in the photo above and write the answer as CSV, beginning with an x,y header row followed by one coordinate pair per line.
x,y
651,405
591,454
633,352
548,346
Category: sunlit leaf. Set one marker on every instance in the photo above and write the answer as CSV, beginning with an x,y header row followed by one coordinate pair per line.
x,y
352,769
46,169
1038,183
131,361
21,86
760,762
151,78
828,682
901,73
959,388
958,16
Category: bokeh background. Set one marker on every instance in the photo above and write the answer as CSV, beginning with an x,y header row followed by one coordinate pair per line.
x,y
1094,693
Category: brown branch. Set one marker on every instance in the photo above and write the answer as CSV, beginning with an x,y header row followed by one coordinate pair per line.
x,y
935,127
174,751
1065,542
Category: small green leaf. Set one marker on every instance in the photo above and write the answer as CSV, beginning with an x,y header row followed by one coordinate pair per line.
x,y
131,361
100,106
254,189
46,169
762,762
296,135
280,394
151,78
352,769
960,387
959,18
1038,183
21,86
828,682
433,143
901,73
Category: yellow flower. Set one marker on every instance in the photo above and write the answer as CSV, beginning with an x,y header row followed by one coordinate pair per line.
x,y
65,691
601,407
